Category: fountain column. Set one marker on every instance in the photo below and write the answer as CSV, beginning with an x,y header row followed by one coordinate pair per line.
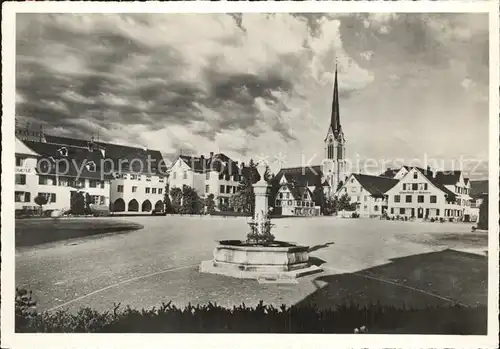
x,y
261,191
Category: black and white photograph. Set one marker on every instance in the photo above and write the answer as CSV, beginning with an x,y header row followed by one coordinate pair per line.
x,y
251,171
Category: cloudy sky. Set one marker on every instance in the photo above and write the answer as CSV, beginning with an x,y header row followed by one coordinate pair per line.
x,y
256,85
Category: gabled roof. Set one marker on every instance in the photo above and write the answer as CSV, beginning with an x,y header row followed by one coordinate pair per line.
x,y
298,192
219,162
448,177
390,172
76,160
478,188
67,141
375,185
303,176
450,195
119,157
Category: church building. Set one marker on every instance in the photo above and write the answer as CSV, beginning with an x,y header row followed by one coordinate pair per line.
x,y
328,176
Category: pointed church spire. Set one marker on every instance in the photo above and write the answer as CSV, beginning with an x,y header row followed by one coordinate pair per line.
x,y
335,119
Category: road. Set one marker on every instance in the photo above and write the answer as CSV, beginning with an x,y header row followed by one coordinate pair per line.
x,y
158,264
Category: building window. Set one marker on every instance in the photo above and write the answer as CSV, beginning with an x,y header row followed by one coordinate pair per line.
x,y
289,202
414,186
375,208
392,210
408,198
185,175
207,188
19,161
148,178
134,189
102,184
437,211
397,198
133,176
221,176
221,189
401,211
20,179
420,198
22,196
90,166
148,190
153,191
119,188
288,195
415,175
353,189
160,179
278,203
207,176
46,180
160,190
433,199
281,195
234,190
92,184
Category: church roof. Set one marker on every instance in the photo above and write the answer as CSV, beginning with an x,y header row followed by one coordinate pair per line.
x,y
375,185
302,176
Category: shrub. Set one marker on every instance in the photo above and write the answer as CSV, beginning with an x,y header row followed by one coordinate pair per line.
x,y
260,319
432,219
355,215
441,220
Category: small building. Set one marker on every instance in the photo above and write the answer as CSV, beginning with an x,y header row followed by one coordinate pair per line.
x,y
295,194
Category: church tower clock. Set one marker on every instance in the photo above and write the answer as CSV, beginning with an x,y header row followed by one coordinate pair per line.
x,y
334,162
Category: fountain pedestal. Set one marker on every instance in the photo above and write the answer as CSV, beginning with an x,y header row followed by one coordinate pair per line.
x,y
255,259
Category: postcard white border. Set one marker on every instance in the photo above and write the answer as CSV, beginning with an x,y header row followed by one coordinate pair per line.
x,y
206,341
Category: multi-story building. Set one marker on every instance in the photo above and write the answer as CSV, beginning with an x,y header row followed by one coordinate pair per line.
x,y
426,194
216,174
57,172
367,193
121,178
137,175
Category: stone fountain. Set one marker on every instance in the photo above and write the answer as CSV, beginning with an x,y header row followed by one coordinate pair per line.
x,y
260,256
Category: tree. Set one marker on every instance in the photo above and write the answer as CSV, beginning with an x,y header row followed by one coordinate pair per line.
x,y
175,197
237,202
88,201
246,201
209,203
344,203
191,202
77,203
41,200
483,214
166,200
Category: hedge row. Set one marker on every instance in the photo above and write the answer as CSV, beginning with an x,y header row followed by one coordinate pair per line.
x,y
212,318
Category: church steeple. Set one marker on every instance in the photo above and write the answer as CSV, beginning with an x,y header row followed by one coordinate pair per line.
x,y
335,117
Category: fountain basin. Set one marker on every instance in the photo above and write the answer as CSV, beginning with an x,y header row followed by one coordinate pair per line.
x,y
277,260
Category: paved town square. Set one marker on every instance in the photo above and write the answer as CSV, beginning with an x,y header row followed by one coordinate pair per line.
x,y
364,260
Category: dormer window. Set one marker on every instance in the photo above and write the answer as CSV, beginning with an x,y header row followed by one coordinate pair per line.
x,y
90,166
63,151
